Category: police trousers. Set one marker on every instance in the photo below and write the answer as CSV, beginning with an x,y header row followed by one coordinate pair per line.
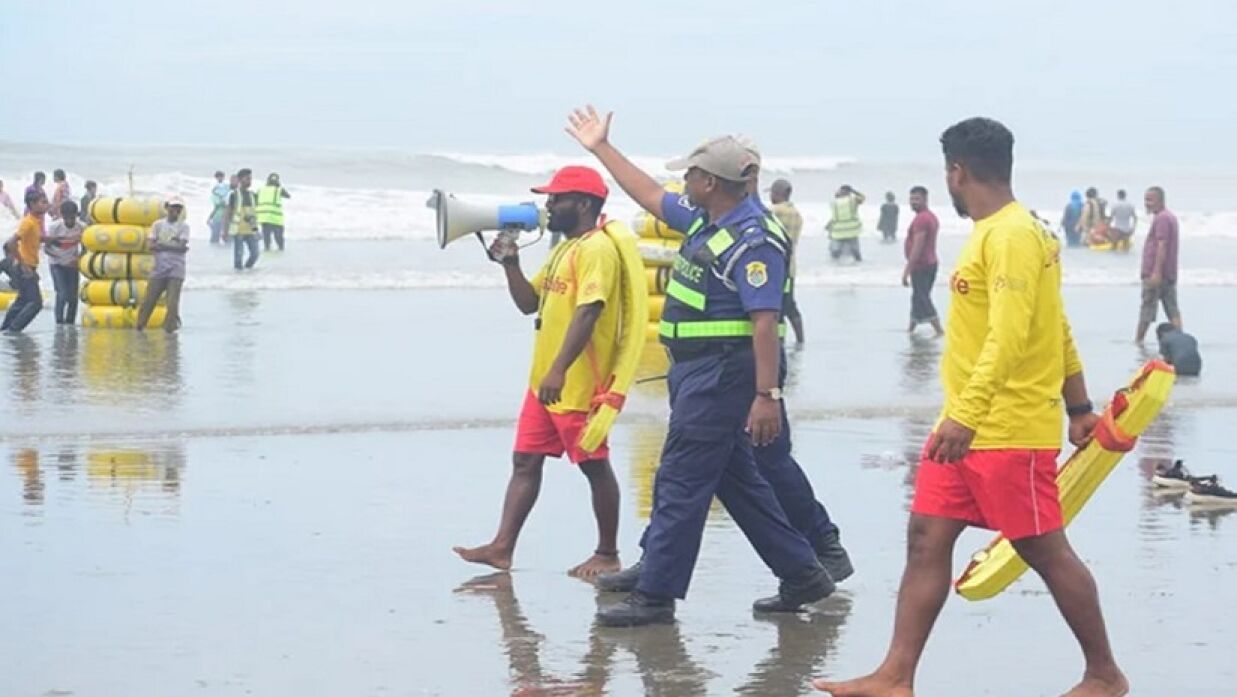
x,y
708,453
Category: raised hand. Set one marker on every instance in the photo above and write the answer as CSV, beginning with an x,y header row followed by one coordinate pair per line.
x,y
589,128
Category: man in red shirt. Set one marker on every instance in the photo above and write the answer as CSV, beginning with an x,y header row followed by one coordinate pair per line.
x,y
921,261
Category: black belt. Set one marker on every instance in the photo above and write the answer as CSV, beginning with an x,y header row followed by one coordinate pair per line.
x,y
690,350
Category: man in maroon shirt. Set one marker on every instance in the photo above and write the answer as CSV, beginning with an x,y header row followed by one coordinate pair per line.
x,y
1159,267
921,261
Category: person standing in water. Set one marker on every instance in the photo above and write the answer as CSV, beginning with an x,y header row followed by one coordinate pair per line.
x,y
92,192
1069,219
920,272
270,211
62,244
888,223
61,193
169,240
1159,265
792,221
219,195
1122,220
24,271
241,221
844,225
7,202
1009,369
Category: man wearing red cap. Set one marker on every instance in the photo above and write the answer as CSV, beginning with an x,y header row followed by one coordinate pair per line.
x,y
575,299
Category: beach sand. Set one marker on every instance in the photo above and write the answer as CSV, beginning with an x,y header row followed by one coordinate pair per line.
x,y
266,505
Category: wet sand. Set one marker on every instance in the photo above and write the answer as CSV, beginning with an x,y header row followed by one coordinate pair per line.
x,y
266,505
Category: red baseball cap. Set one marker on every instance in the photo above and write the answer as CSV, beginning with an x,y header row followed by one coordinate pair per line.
x,y
575,179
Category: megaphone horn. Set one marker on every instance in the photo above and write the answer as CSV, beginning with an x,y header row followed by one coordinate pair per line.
x,y
457,218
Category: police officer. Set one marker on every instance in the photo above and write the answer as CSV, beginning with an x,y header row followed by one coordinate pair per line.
x,y
790,484
721,325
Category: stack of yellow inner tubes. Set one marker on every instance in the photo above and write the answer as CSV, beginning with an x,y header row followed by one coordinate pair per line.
x,y
118,261
658,245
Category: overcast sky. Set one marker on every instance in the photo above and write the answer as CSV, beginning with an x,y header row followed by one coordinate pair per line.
x,y
1132,81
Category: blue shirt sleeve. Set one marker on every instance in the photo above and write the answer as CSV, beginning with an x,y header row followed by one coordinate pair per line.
x,y
760,276
678,212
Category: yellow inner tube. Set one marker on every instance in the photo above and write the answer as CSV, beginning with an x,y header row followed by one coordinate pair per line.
x,y
126,211
112,317
120,293
634,318
116,266
6,298
115,238
996,566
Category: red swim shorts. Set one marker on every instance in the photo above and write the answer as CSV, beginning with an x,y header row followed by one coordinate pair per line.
x,y
1013,491
543,432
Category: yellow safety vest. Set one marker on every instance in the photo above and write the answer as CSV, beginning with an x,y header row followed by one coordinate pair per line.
x,y
845,224
244,219
270,205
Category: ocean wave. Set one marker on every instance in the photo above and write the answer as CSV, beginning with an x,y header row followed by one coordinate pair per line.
x,y
543,163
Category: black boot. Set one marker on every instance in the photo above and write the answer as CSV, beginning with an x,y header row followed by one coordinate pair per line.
x,y
832,555
637,610
792,595
620,581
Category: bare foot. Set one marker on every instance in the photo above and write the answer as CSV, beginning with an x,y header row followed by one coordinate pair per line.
x,y
1116,686
486,554
874,685
596,565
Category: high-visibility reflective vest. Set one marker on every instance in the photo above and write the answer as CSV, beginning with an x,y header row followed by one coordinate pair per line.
x,y
270,205
687,316
244,218
845,223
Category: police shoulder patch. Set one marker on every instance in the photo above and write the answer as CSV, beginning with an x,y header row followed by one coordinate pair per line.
x,y
757,274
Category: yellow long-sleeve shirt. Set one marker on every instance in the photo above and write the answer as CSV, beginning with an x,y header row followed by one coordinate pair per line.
x,y
1008,342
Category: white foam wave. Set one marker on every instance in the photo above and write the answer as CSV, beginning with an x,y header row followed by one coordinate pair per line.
x,y
543,163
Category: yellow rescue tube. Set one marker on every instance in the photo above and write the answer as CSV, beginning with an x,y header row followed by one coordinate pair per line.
x,y
658,252
652,332
1134,407
656,303
656,279
650,228
6,298
115,238
111,317
116,265
126,211
634,317
120,293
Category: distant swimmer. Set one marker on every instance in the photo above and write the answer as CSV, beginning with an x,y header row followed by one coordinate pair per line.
x,y
169,240
1009,370
1159,265
1180,350
921,262
792,221
270,211
1122,219
888,222
241,221
7,202
62,244
219,194
844,225
1070,218
575,297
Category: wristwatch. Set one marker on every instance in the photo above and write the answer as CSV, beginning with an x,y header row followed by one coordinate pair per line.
x,y
774,393
1079,409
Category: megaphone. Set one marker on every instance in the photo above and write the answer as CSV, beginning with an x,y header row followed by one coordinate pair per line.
x,y
456,218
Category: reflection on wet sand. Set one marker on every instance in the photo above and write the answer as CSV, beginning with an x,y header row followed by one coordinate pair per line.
x,y
24,361
126,470
128,365
664,665
662,660
804,641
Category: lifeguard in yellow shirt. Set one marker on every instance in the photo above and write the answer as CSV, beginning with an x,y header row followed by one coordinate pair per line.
x,y
1009,369
576,298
